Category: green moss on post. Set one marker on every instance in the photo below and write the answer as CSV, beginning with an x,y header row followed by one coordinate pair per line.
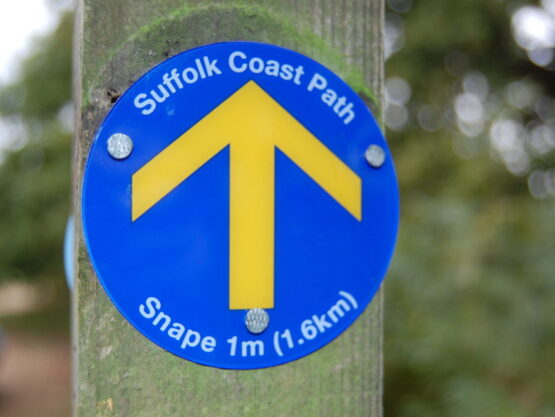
x,y
118,372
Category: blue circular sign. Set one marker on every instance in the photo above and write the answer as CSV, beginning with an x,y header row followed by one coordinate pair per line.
x,y
240,205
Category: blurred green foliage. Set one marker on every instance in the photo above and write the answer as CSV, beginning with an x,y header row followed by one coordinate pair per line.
x,y
470,329
469,324
35,177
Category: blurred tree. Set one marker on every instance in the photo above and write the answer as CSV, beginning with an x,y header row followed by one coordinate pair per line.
x,y
35,119
469,300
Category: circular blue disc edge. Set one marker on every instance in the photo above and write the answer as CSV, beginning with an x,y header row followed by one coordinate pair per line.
x,y
372,289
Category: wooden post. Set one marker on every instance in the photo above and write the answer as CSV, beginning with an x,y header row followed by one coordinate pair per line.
x,y
118,372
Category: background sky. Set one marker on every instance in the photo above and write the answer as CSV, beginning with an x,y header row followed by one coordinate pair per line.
x,y
20,22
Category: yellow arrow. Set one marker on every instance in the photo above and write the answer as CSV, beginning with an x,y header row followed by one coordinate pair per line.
x,y
253,123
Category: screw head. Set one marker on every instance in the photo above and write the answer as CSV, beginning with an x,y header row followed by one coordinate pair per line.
x,y
375,156
119,146
257,320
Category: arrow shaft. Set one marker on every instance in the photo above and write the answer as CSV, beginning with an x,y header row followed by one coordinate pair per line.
x,y
251,220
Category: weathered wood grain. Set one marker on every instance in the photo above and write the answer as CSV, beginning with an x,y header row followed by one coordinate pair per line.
x,y
118,372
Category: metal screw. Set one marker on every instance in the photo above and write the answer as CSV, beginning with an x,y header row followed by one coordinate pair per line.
x,y
375,156
257,320
120,146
